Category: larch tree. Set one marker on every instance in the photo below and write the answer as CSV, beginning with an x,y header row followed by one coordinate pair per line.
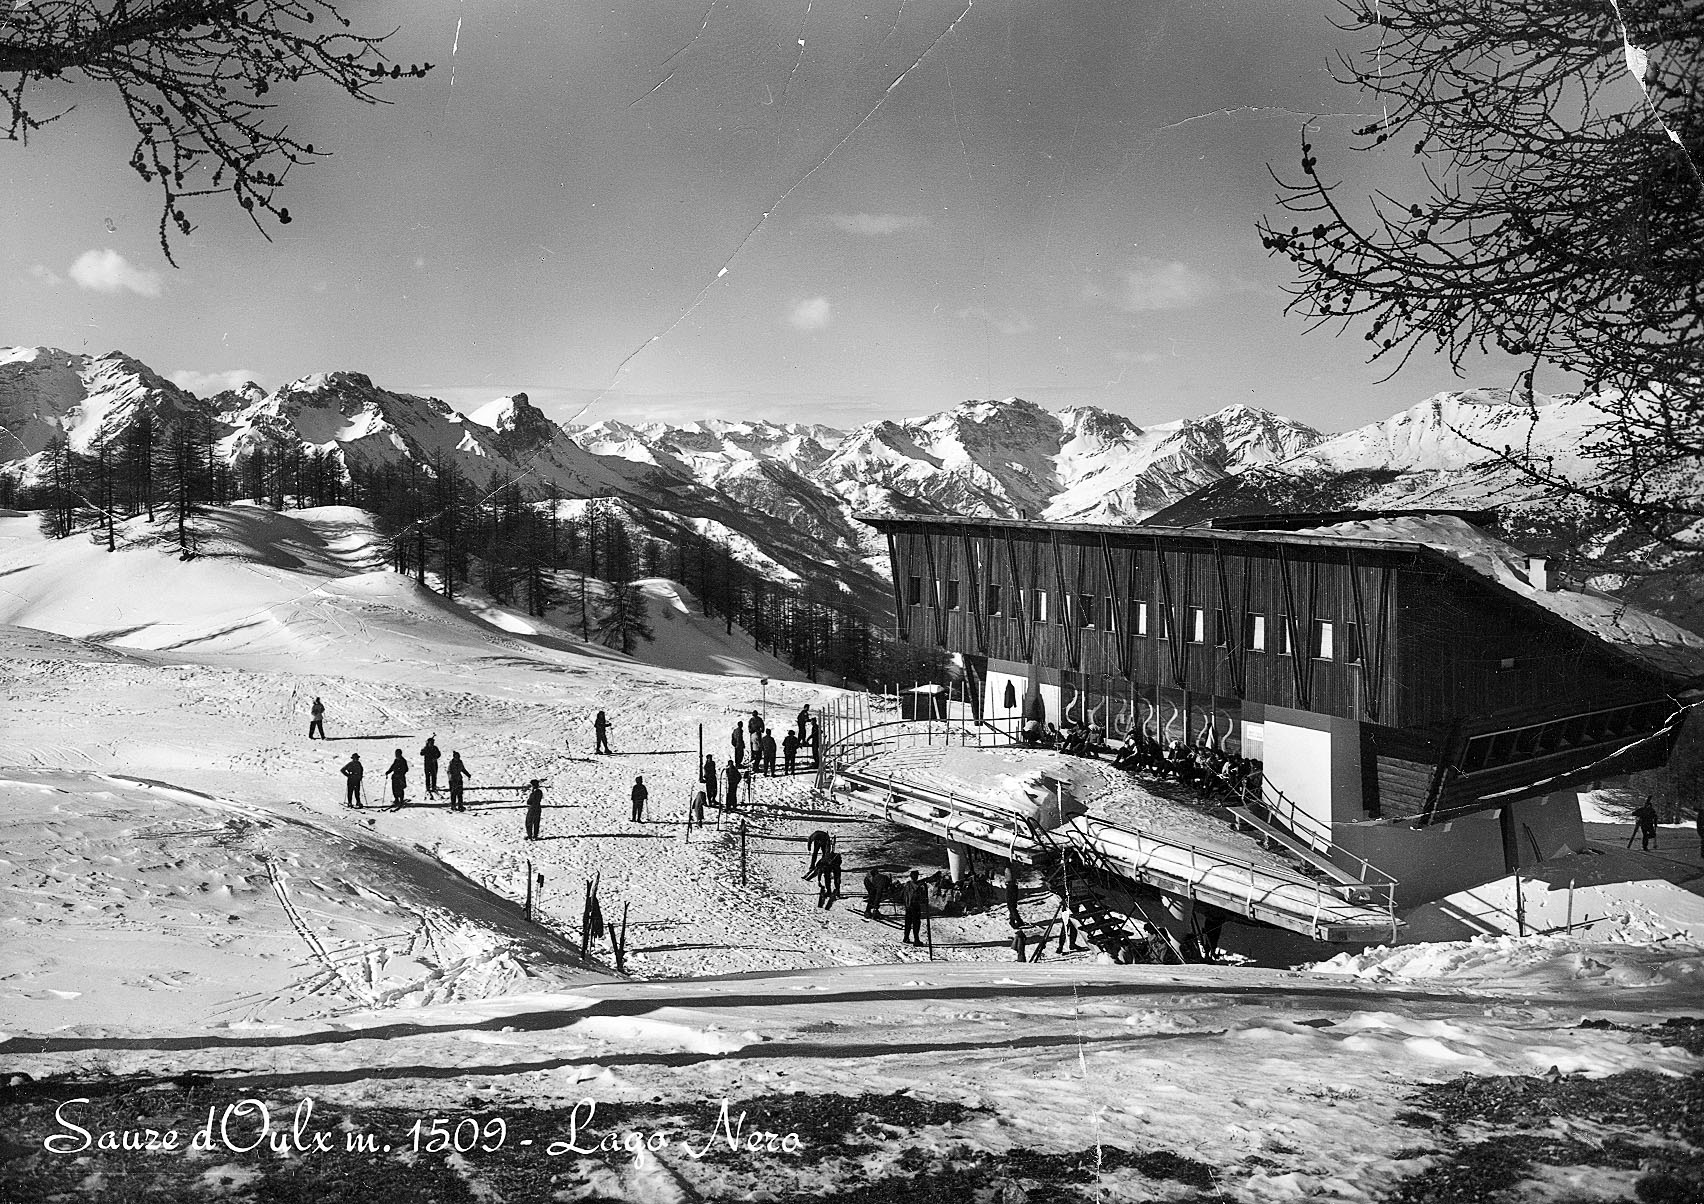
x,y
194,77
1561,221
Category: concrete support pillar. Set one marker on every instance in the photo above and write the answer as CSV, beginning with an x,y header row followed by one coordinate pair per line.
x,y
958,858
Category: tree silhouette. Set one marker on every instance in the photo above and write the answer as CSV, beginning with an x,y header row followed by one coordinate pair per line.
x,y
1560,141
193,76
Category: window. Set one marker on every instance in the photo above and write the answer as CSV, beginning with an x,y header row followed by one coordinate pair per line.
x,y
1254,632
1221,630
1111,615
1141,617
1351,643
993,599
1165,620
1319,642
914,591
1040,601
1197,625
1284,648
1085,610
952,594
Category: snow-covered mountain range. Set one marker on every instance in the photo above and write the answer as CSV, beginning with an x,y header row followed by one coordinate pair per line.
x,y
784,495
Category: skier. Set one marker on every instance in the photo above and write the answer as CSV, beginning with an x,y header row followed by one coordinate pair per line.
x,y
732,773
429,756
816,742
755,726
915,896
535,809
639,795
804,720
353,772
317,723
739,744
1645,819
710,778
1012,916
828,880
695,810
876,886
790,750
601,726
398,775
821,843
457,772
768,754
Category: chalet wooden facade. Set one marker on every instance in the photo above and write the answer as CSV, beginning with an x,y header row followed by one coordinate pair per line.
x,y
1380,682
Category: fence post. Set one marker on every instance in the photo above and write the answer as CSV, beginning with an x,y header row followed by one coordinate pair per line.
x,y
742,852
528,910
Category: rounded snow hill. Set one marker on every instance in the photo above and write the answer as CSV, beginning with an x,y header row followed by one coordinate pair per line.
x,y
147,906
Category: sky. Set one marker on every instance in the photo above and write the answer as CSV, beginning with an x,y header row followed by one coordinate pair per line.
x,y
827,212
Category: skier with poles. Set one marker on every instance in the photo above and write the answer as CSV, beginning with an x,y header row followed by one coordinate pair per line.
x,y
353,772
429,757
398,775
317,722
458,772
601,726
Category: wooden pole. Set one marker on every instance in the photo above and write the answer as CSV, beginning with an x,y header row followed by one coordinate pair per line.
x,y
929,931
742,852
529,890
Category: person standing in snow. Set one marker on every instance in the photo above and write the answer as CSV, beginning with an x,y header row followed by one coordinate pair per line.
x,y
768,739
804,720
755,726
535,809
352,773
739,744
1645,820
695,809
1012,916
915,896
816,743
429,757
710,778
790,750
876,886
828,880
732,773
316,724
398,775
639,795
601,726
458,773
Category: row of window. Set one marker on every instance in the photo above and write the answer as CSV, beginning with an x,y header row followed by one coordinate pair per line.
x,y
1325,640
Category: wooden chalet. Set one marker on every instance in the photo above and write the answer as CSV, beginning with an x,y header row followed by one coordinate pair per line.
x,y
1418,693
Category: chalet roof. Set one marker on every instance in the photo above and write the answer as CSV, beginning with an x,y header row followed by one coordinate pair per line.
x,y
1653,640
1637,635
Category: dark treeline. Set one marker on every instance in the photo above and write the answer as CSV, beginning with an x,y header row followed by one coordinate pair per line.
x,y
522,543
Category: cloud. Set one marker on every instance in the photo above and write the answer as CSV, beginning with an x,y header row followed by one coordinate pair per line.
x,y
875,223
1157,284
205,384
813,313
45,275
109,272
1008,324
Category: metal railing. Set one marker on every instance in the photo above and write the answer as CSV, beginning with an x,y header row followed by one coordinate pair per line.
x,y
1365,872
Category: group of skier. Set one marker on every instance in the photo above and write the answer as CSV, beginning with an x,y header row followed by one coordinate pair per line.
x,y
355,773
806,736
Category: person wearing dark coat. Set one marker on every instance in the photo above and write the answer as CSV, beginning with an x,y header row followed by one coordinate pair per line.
x,y
1012,896
429,756
739,744
316,722
639,794
398,775
754,725
876,886
1646,820
600,725
353,773
915,896
816,741
732,774
458,774
790,750
535,809
768,739
828,880
710,778
804,720
821,844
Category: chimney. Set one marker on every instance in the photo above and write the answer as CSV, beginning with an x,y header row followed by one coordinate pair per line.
x,y
1539,575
